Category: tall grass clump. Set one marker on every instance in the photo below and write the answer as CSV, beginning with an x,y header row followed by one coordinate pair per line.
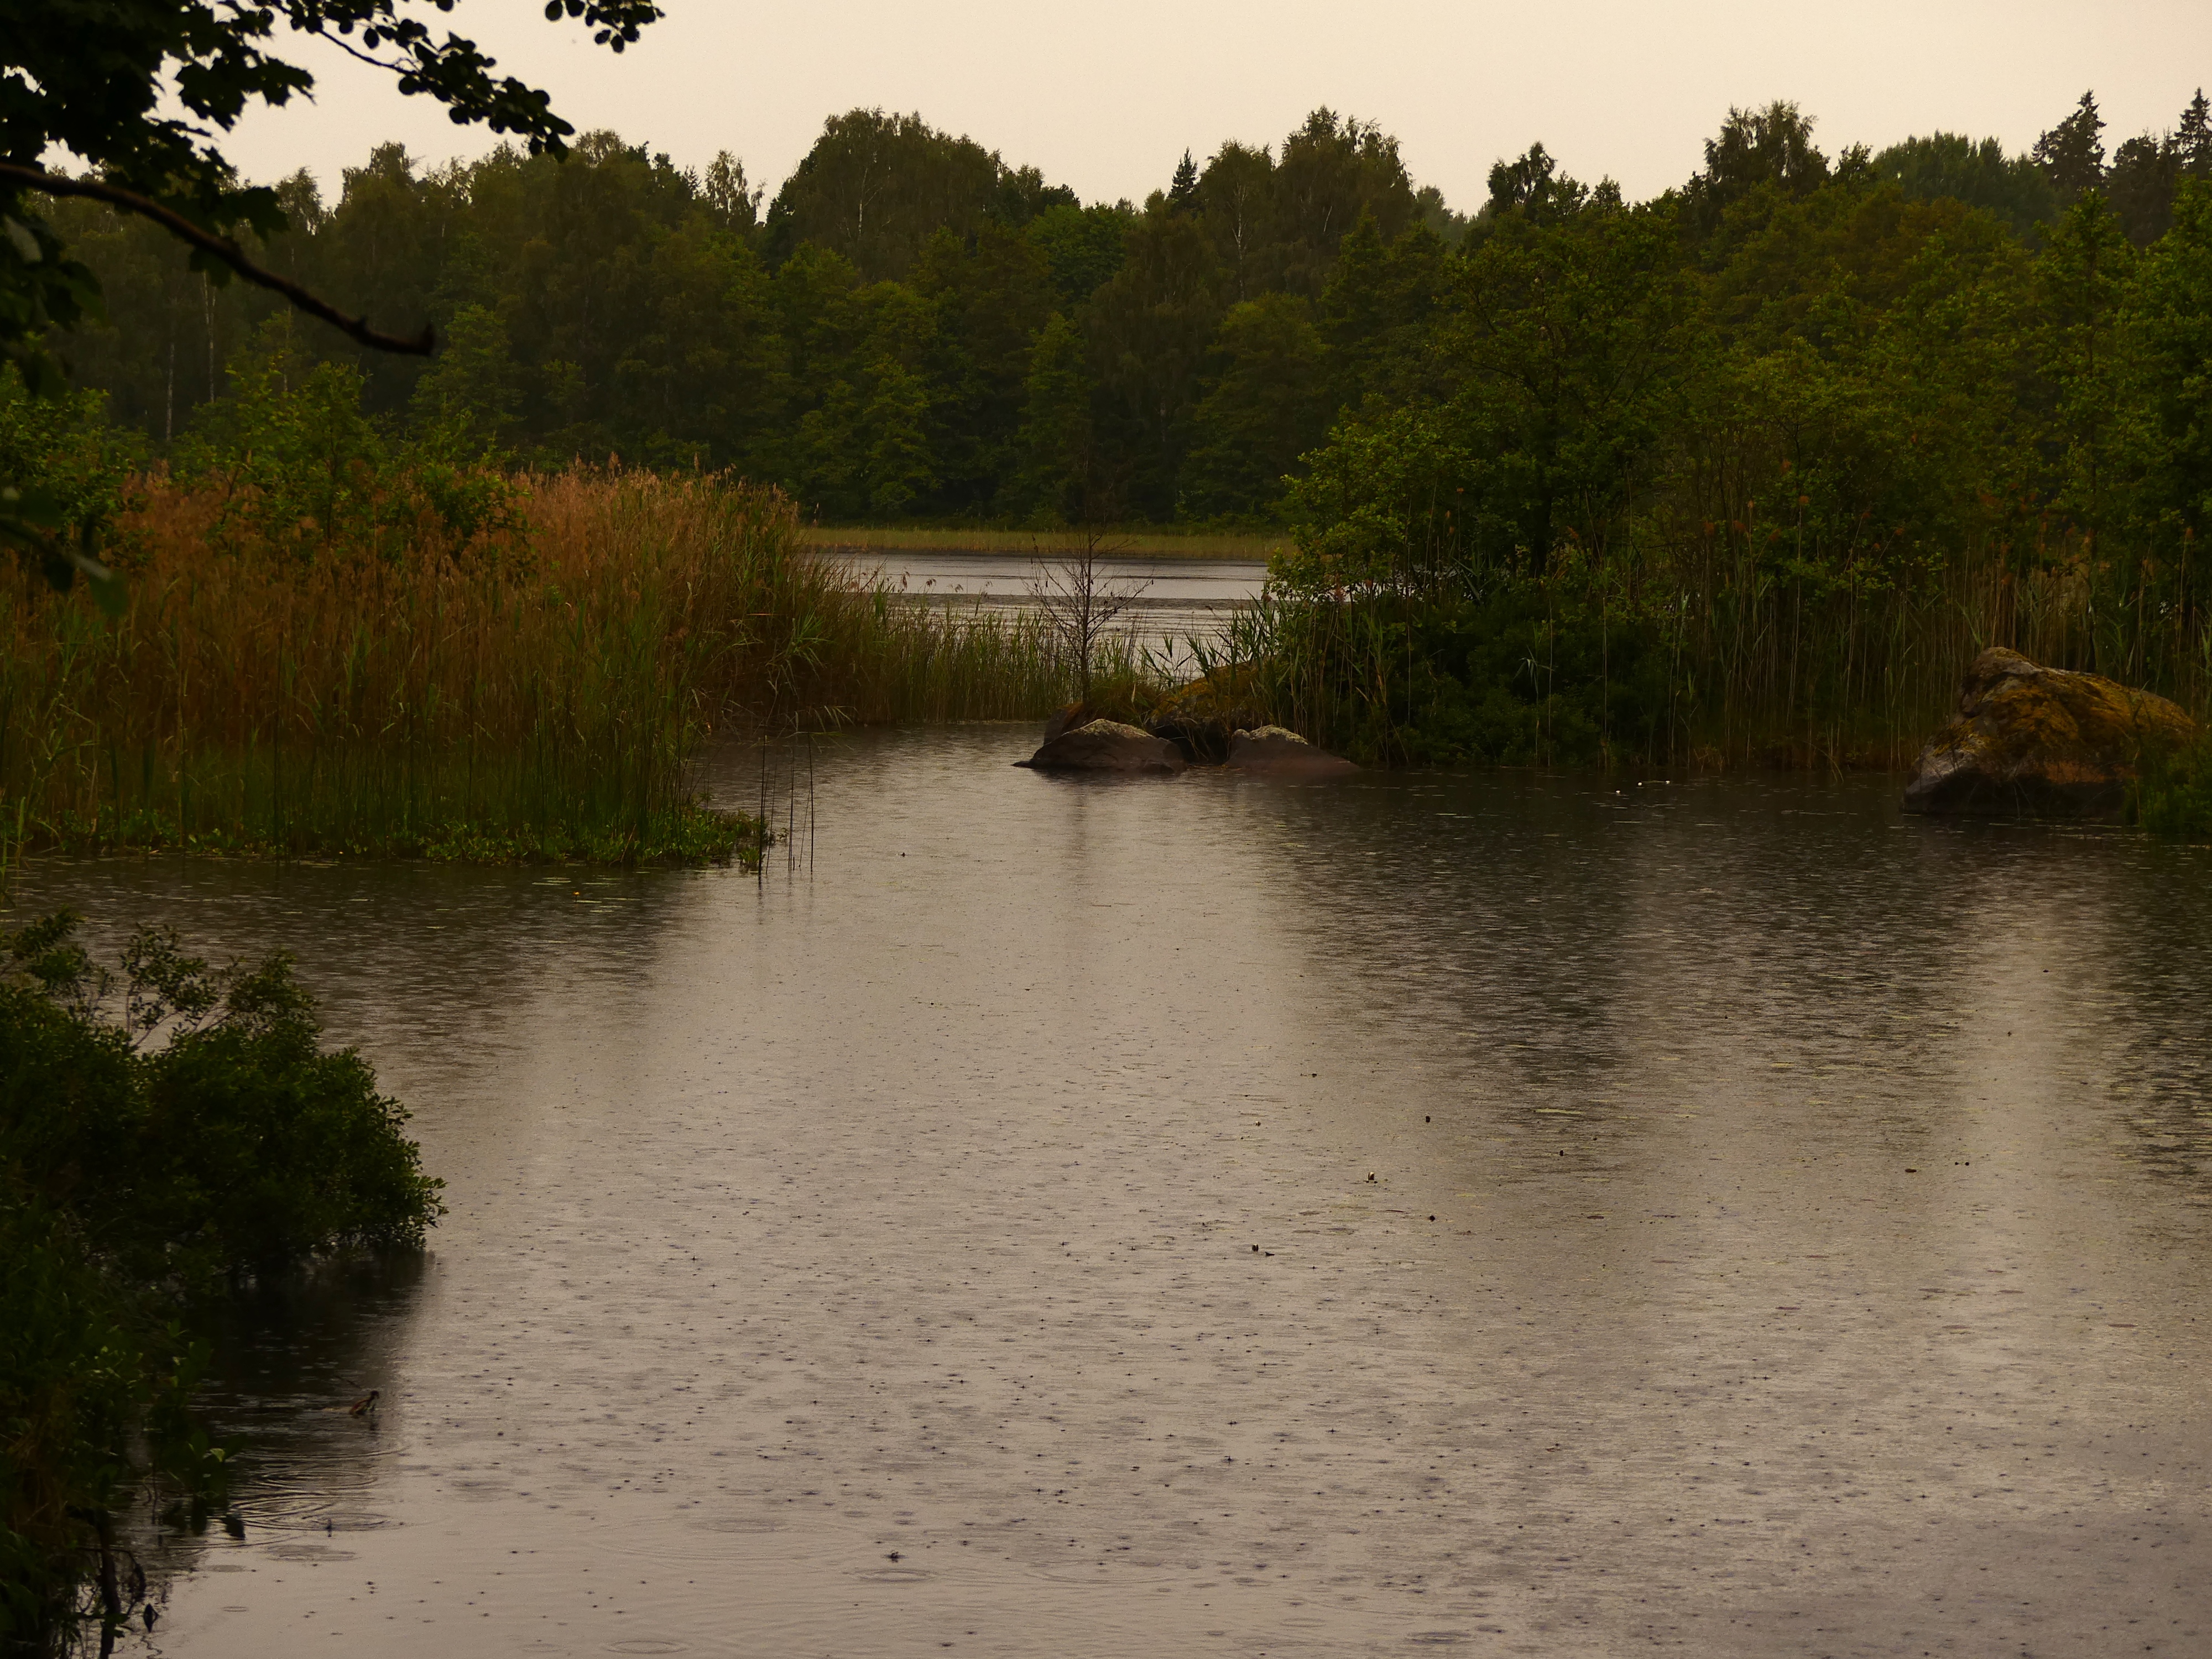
x,y
2173,797
337,644
1660,658
874,657
1707,624
533,685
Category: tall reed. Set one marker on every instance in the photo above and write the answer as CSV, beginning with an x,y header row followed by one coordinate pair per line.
x,y
536,690
1704,649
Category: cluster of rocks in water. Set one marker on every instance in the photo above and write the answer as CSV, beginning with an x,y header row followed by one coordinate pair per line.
x,y
2029,741
1206,723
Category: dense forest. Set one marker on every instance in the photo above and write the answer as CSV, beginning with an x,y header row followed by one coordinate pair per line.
x,y
1746,470
913,329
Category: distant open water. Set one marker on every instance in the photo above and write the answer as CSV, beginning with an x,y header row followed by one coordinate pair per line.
x,y
1180,599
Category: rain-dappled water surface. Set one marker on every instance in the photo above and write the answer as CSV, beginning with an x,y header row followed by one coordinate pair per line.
x,y
1206,1216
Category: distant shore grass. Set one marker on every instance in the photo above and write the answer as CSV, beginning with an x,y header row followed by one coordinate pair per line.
x,y
1143,542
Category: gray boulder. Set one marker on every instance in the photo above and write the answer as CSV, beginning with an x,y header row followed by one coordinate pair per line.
x,y
1281,752
1107,747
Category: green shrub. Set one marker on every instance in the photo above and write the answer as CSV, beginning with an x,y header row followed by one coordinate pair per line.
x,y
165,1129
1511,679
1520,673
2174,798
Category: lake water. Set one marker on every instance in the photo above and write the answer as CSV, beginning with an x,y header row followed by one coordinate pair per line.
x,y
1172,601
1506,1213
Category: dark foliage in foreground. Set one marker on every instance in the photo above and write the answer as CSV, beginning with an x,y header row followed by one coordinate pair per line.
x,y
165,1129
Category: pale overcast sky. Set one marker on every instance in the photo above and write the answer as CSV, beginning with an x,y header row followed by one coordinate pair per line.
x,y
1105,98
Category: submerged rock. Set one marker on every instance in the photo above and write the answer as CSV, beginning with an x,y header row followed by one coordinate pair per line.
x,y
1202,717
1277,749
1107,747
2036,742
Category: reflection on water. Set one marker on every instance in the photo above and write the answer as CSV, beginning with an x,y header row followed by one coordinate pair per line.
x,y
1088,1218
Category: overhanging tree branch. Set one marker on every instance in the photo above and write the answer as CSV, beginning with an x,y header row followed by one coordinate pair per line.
x,y
222,248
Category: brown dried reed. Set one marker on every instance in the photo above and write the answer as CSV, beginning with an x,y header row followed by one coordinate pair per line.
x,y
532,693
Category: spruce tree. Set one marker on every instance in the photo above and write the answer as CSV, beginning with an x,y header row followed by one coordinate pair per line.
x,y
2071,154
2192,139
1183,191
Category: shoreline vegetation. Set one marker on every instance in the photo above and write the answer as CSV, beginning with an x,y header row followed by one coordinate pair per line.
x,y
168,1132
1743,475
456,661
335,646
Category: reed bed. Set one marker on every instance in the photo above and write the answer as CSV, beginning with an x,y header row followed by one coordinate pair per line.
x,y
538,690
1702,651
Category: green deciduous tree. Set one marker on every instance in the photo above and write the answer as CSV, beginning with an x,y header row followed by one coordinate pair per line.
x,y
2167,319
1051,480
1948,165
2082,280
876,187
1148,330
1265,405
2139,185
992,293
470,392
1235,195
1770,149
1331,172
1565,339
141,91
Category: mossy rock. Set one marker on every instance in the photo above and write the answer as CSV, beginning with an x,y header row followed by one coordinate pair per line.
x,y
1106,746
2035,741
1200,717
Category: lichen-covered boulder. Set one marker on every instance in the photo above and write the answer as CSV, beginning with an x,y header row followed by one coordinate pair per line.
x,y
2035,741
1281,752
1200,717
1107,747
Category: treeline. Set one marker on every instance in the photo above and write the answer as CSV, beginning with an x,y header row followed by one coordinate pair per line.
x,y
913,329
1752,472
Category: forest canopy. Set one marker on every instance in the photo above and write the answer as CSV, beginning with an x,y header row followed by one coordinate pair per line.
x,y
912,327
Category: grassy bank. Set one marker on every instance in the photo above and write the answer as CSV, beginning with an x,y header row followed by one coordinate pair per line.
x,y
531,679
